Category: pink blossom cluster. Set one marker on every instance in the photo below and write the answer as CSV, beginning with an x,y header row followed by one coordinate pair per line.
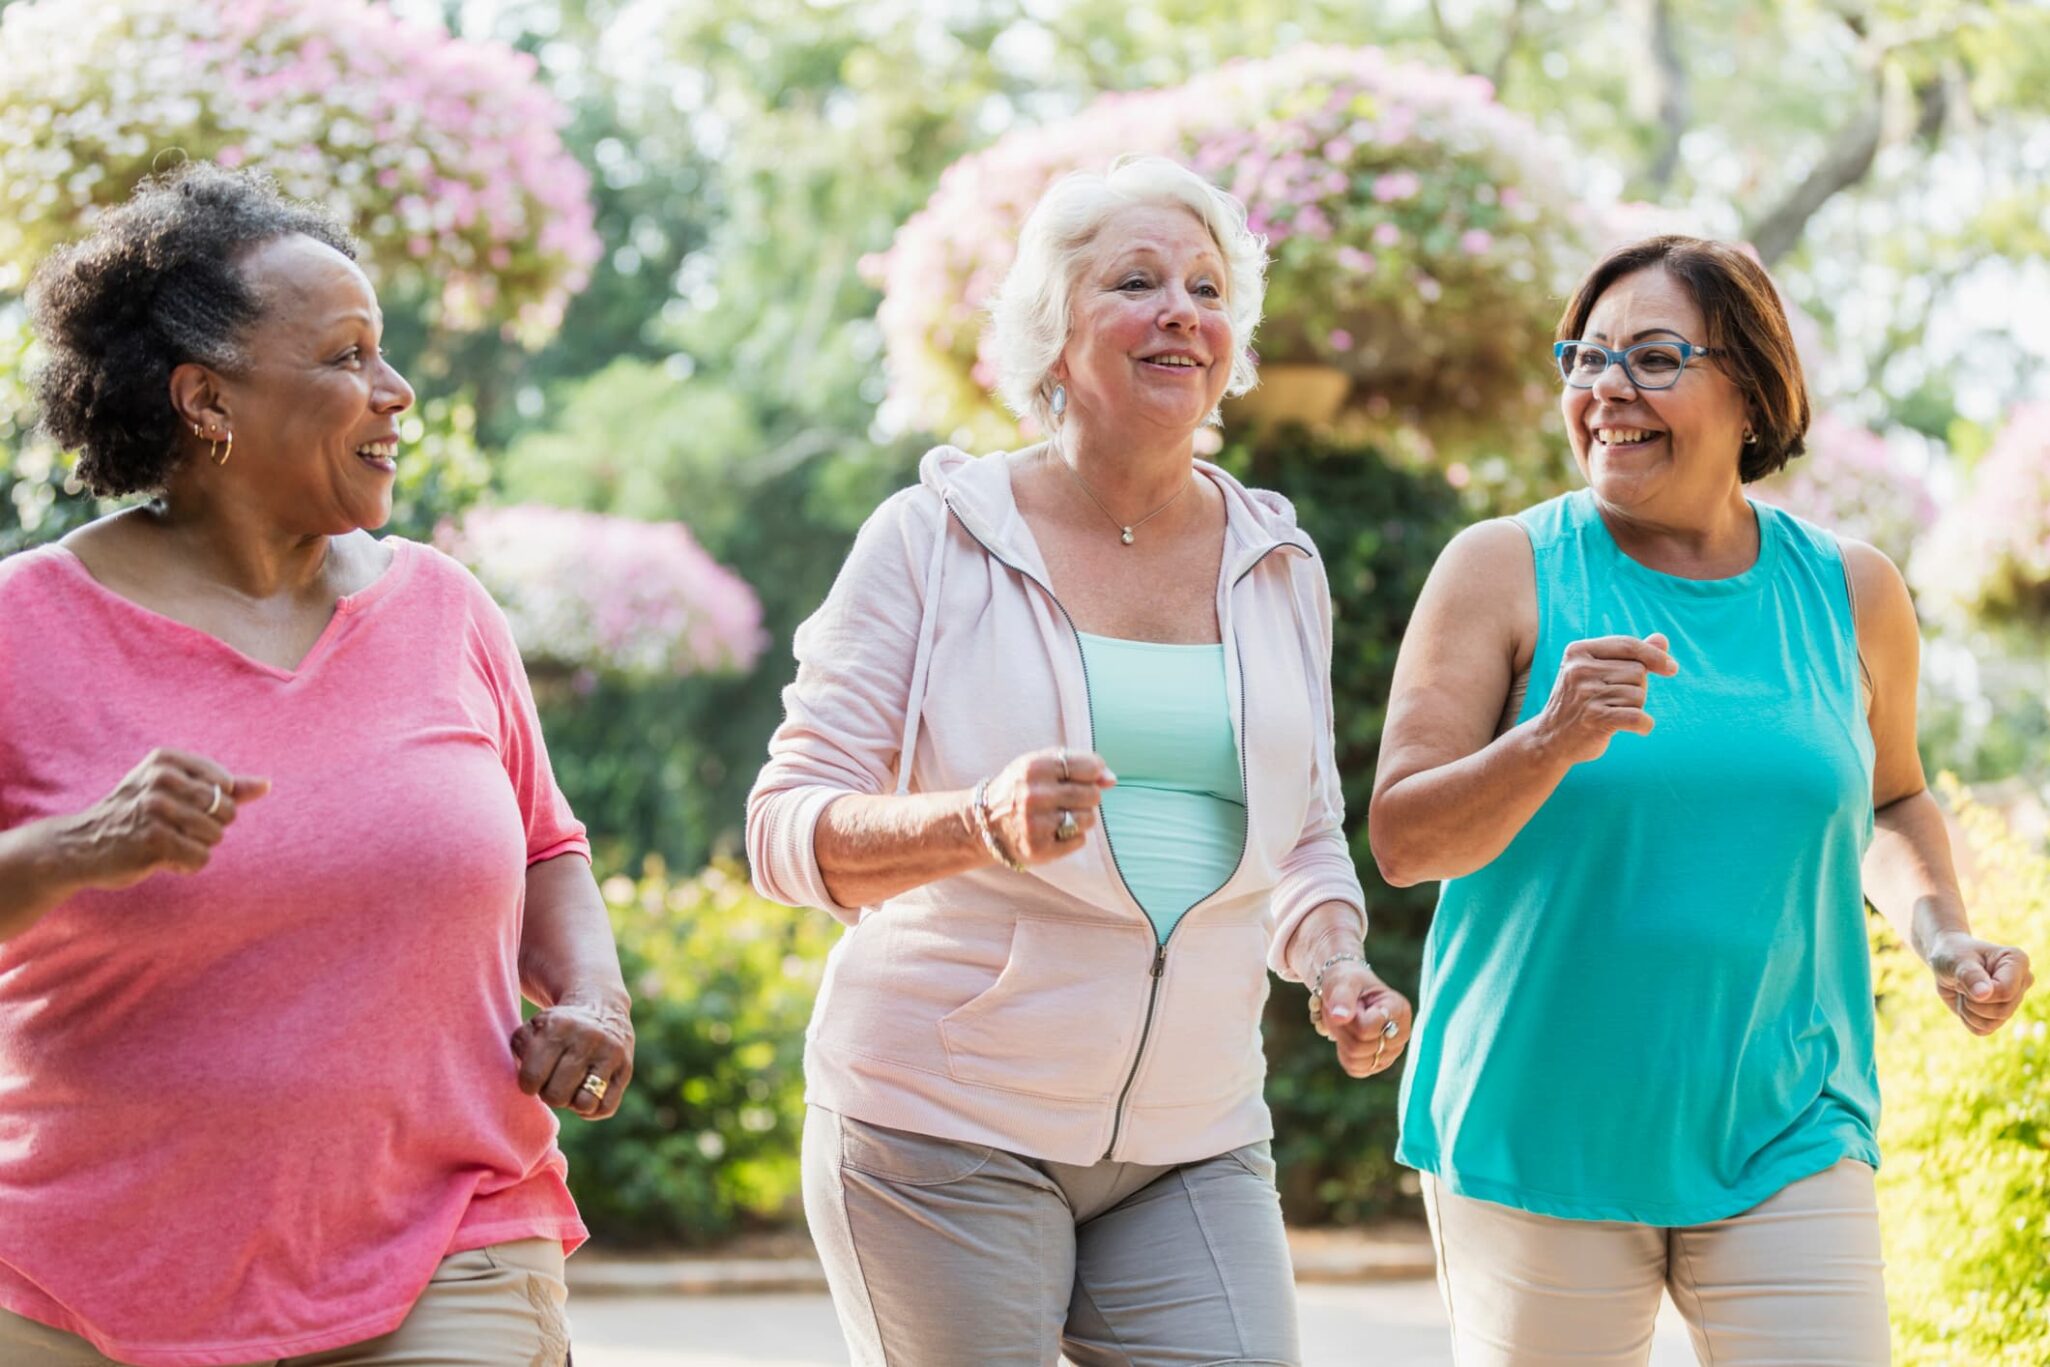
x,y
638,600
1852,481
1990,551
1420,231
442,154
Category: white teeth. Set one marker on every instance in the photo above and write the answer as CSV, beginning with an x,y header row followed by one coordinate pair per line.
x,y
1614,436
379,450
1173,360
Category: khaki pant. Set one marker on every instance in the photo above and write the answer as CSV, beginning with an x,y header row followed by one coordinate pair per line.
x,y
500,1306
1793,1282
942,1254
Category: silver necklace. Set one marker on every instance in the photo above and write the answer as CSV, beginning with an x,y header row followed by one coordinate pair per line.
x,y
1125,530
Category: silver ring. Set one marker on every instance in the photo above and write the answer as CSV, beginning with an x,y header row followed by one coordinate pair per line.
x,y
215,805
1062,755
1067,828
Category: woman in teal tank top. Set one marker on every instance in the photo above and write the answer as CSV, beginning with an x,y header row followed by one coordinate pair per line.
x,y
1659,743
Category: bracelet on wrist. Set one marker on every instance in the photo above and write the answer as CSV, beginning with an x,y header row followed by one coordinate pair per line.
x,y
988,832
1342,957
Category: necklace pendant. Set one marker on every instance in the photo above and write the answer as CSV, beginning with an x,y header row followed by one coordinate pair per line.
x,y
1127,537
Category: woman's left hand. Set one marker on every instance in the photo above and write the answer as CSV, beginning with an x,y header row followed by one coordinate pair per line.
x,y
562,1048
1981,981
1365,1018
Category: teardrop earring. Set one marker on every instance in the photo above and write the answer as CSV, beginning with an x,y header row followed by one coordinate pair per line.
x,y
1058,402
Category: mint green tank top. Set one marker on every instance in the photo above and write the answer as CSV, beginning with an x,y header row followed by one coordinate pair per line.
x,y
1176,821
1656,1004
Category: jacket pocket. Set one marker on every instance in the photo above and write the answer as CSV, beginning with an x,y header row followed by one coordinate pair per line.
x,y
1062,1018
1206,1029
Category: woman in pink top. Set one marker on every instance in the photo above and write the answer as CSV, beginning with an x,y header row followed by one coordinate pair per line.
x,y
1034,1068
279,850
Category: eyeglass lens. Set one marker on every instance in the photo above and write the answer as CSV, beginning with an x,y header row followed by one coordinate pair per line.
x,y
1652,366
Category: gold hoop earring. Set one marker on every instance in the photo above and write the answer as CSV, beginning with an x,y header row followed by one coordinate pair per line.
x,y
222,450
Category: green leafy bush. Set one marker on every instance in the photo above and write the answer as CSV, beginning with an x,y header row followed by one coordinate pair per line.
x,y
1964,1186
706,1140
1379,529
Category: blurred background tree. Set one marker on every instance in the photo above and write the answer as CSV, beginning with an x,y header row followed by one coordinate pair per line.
x,y
727,351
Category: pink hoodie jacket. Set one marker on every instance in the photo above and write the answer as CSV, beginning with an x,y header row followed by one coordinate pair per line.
x,y
1035,1011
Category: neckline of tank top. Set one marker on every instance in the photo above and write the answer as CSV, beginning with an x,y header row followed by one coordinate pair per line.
x,y
1750,579
1094,638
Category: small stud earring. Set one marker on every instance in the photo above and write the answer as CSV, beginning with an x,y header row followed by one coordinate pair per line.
x,y
1059,401
1750,437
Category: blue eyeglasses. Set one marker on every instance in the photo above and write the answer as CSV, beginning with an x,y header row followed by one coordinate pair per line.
x,y
1648,365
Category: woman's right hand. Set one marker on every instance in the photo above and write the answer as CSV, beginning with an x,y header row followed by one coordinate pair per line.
x,y
1600,691
1028,795
169,813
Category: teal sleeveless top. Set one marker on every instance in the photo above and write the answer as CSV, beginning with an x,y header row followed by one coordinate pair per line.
x,y
1176,821
1656,1004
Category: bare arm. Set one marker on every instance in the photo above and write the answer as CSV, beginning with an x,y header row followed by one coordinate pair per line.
x,y
1449,793
871,848
1909,875
569,966
39,868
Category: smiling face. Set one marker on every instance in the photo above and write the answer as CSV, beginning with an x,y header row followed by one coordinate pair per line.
x,y
1149,338
1639,446
315,414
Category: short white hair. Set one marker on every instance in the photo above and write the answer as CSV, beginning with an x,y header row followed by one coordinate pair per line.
x,y
1029,317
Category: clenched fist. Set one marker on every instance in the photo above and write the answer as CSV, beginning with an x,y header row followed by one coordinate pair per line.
x,y
1600,691
168,814
1029,795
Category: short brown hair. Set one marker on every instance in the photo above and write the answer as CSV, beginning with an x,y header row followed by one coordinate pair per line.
x,y
1747,329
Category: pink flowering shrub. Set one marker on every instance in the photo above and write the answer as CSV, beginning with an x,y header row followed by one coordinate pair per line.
x,y
1990,552
1851,481
1420,233
583,591
440,153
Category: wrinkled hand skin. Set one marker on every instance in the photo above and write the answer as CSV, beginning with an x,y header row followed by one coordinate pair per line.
x,y
1358,1010
559,1047
1982,982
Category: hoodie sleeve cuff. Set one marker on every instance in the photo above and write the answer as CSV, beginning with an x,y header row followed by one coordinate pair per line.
x,y
784,855
1299,896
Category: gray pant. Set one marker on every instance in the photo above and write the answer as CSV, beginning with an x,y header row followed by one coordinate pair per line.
x,y
943,1254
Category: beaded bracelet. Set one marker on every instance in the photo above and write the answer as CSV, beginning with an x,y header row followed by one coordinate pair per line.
x,y
1344,956
988,832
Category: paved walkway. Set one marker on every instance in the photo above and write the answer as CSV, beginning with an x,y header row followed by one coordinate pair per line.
x,y
1374,1324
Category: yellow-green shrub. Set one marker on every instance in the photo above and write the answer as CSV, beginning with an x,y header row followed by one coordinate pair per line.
x,y
1964,1188
706,1140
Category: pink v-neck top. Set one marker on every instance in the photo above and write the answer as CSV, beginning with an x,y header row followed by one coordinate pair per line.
x,y
244,1113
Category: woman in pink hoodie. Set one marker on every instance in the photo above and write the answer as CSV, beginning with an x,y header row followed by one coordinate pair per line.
x,y
1059,752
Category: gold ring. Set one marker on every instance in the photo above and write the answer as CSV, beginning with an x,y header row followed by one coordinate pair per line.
x,y
1067,828
215,805
595,1085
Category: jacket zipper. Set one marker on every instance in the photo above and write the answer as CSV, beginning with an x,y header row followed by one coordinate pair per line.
x,y
1117,1123
1159,965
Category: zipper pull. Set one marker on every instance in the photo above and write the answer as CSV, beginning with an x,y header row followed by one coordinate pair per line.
x,y
1159,960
